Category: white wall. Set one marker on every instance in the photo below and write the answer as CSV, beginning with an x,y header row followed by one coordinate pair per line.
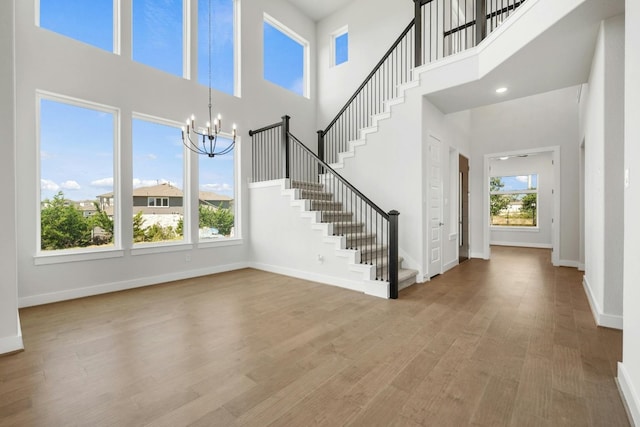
x,y
544,120
287,241
10,337
602,112
629,369
392,168
536,163
51,62
369,39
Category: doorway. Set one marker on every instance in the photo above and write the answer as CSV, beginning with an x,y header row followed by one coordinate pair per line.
x,y
463,209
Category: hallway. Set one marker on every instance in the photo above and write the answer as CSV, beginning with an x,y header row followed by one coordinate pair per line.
x,y
506,342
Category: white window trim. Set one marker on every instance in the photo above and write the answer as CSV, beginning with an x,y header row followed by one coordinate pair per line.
x,y
533,228
334,37
79,254
306,87
186,180
162,205
186,39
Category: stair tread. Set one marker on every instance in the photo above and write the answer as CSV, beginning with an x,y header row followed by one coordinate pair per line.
x,y
406,273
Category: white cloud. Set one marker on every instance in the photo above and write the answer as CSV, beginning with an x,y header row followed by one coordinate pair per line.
x,y
46,155
46,184
70,185
150,182
151,156
103,183
522,178
216,187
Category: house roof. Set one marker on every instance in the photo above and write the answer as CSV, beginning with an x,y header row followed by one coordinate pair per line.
x,y
167,190
213,197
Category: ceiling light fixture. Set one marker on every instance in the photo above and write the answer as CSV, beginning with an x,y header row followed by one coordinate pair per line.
x,y
501,90
209,133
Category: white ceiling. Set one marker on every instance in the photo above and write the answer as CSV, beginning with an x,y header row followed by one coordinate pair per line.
x,y
559,58
318,9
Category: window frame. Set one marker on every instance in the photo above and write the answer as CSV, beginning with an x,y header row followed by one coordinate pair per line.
x,y
306,86
140,247
334,40
116,27
156,199
237,237
79,254
190,74
536,191
186,41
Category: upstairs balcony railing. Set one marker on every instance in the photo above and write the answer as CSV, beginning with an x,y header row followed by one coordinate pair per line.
x,y
440,28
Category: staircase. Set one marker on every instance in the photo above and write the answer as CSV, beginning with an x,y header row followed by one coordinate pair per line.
x,y
365,232
355,237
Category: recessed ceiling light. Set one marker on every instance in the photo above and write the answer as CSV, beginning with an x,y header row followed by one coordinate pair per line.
x,y
501,90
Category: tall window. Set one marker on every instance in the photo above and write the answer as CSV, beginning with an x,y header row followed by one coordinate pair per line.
x,y
513,201
222,39
76,167
90,22
285,57
216,205
158,177
158,34
340,46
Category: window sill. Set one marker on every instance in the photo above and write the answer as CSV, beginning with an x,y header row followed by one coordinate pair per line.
x,y
514,228
213,243
159,248
60,257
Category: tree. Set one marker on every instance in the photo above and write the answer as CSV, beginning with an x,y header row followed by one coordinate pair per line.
x,y
62,225
223,221
158,233
498,202
103,223
138,231
206,216
529,203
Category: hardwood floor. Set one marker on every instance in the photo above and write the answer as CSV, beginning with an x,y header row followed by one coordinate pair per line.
x,y
509,342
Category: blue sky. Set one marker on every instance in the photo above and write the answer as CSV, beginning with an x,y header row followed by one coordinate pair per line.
x,y
77,143
517,183
284,60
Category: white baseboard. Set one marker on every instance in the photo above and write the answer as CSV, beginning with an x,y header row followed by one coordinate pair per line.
x,y
581,266
12,343
523,244
124,285
312,277
448,266
629,393
602,319
477,255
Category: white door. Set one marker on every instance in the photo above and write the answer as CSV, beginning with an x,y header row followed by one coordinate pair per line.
x,y
435,224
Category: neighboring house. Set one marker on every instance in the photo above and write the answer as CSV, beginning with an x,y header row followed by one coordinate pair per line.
x,y
163,203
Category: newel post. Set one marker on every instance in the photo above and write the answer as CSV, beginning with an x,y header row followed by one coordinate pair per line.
x,y
285,141
393,254
418,32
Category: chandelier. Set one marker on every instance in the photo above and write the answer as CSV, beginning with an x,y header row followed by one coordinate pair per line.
x,y
191,135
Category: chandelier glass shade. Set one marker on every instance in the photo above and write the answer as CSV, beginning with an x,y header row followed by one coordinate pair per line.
x,y
204,140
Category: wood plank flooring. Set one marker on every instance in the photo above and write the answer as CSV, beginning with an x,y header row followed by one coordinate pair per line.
x,y
508,342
